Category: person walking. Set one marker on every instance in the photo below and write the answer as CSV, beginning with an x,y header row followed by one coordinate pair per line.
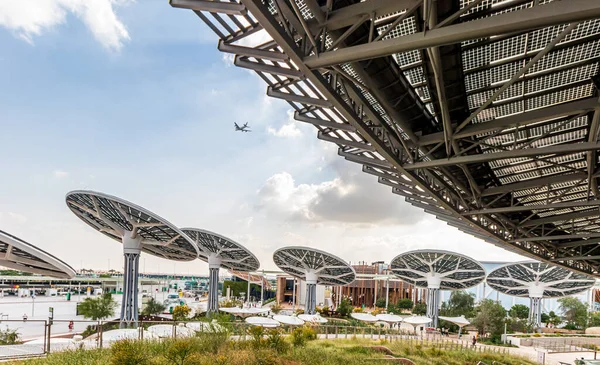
x,y
71,324
474,341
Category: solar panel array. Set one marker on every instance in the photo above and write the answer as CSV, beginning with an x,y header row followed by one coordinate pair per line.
x,y
233,255
18,254
456,271
298,261
115,217
515,279
386,112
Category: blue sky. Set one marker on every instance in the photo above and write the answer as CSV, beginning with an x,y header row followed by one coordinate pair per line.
x,y
133,99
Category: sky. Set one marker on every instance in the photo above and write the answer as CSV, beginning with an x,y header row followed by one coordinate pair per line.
x,y
133,99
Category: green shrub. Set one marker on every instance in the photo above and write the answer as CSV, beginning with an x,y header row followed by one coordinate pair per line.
x,y
129,352
256,333
276,342
301,335
181,312
180,351
9,337
213,340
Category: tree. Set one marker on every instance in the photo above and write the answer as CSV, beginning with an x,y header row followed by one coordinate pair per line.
x,y
419,309
545,318
461,303
574,312
405,304
490,318
97,308
181,312
153,307
380,303
345,307
519,311
594,320
553,319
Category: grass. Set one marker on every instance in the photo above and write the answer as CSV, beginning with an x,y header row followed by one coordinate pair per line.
x,y
208,349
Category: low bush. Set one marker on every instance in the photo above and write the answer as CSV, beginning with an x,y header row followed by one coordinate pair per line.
x,y
301,335
129,352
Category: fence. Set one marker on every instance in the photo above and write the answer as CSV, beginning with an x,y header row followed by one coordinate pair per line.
x,y
557,345
98,334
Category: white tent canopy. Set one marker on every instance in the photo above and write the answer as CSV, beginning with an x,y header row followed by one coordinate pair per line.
x,y
389,318
417,320
364,317
244,312
289,320
312,318
168,330
262,321
459,321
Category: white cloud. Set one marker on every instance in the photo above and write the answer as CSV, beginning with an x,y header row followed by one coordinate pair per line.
x,y
290,129
352,198
59,174
10,218
286,130
30,18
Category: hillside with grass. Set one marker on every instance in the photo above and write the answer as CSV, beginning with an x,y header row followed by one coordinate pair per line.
x,y
269,348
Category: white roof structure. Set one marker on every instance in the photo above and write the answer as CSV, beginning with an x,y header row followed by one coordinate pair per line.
x,y
222,250
204,326
438,269
389,318
121,334
262,321
121,220
20,255
459,321
498,97
244,312
312,318
288,320
417,320
538,279
311,264
168,331
364,317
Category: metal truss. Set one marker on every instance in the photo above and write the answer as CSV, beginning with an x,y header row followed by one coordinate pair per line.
x,y
483,114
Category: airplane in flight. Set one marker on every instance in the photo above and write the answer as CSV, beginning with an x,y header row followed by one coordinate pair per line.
x,y
243,128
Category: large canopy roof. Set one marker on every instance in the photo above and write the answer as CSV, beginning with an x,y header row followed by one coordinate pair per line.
x,y
481,112
115,217
20,255
329,269
233,256
455,270
522,278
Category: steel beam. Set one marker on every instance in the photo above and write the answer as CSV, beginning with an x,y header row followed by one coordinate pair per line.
x,y
558,12
298,98
575,258
557,237
578,243
528,184
521,208
252,52
486,157
561,218
344,142
349,15
521,120
210,6
323,123
262,67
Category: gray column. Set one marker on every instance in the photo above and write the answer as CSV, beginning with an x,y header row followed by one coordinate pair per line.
x,y
129,305
311,299
535,313
213,291
433,301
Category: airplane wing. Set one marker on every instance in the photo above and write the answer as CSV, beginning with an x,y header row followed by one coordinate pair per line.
x,y
236,125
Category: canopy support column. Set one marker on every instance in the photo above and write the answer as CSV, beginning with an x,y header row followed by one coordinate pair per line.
x,y
213,290
535,313
129,306
433,299
311,298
